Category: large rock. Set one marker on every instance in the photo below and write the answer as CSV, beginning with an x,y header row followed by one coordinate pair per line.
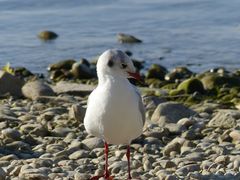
x,y
138,64
10,84
214,80
47,35
22,72
81,70
156,71
178,73
171,112
191,85
63,64
225,119
58,75
126,38
64,87
35,89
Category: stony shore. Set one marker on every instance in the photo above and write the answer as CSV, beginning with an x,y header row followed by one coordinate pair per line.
x,y
192,129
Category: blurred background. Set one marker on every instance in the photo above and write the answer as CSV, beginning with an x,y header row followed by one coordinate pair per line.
x,y
199,34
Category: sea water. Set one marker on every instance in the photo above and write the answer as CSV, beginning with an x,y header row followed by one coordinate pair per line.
x,y
199,34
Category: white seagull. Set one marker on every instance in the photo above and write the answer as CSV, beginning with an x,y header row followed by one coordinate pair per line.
x,y
115,111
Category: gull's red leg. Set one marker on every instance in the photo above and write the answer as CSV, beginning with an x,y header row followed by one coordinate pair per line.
x,y
128,158
106,173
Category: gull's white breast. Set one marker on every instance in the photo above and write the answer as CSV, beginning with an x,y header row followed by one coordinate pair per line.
x,y
113,112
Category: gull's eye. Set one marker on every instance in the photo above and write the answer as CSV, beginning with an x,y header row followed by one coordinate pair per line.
x,y
123,65
110,63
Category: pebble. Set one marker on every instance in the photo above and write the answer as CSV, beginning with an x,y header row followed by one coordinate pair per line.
x,y
77,112
171,177
167,164
147,165
4,163
35,89
81,176
186,122
15,171
221,159
175,128
174,145
54,148
61,131
33,174
93,143
235,135
2,174
11,133
79,155
183,171
236,164
162,174
195,156
8,157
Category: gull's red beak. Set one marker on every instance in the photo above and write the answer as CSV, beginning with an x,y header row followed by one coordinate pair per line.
x,y
134,75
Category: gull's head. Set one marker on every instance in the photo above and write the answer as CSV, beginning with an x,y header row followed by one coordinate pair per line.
x,y
116,63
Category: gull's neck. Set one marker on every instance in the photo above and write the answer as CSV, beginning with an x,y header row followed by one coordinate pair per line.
x,y
103,79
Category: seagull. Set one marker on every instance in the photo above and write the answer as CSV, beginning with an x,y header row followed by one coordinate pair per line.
x,y
115,112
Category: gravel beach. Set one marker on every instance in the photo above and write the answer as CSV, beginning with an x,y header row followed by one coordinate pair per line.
x,y
191,132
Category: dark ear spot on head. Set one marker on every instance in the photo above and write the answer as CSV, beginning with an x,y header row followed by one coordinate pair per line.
x,y
110,63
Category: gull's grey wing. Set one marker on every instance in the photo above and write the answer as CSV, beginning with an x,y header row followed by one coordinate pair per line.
x,y
140,105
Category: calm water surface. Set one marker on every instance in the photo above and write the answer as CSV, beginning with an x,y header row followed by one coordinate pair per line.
x,y
198,33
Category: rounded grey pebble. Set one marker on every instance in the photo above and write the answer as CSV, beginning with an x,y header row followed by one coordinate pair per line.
x,y
2,174
11,133
81,176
